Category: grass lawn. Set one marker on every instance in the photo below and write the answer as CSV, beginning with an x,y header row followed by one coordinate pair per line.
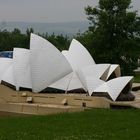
x,y
96,124
137,79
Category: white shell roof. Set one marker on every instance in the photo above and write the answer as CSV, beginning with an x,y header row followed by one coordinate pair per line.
x,y
97,71
93,83
78,56
22,73
69,82
8,75
114,68
75,83
4,64
91,76
69,58
48,65
62,83
44,66
114,87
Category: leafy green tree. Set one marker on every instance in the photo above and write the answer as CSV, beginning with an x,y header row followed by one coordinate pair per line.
x,y
29,31
16,31
16,39
87,39
116,32
13,39
60,41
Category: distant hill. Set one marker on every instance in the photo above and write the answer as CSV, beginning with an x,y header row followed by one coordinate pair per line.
x,y
65,28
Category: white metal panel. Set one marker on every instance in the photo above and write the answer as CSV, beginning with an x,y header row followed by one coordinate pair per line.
x,y
22,73
63,83
93,76
8,75
92,84
69,82
70,59
82,78
118,71
48,65
75,83
78,56
4,64
104,75
114,68
96,71
114,86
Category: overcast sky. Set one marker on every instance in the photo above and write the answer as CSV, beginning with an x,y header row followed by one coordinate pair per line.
x,y
47,10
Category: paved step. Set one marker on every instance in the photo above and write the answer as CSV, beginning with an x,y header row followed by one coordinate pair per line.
x,y
38,109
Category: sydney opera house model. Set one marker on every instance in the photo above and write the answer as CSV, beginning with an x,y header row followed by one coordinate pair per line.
x,y
43,71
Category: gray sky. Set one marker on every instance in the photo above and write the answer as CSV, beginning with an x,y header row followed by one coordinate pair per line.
x,y
47,10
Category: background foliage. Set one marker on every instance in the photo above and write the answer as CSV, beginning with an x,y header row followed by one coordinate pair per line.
x,y
15,39
116,33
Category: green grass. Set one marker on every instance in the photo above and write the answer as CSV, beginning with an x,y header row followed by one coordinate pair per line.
x,y
137,79
97,124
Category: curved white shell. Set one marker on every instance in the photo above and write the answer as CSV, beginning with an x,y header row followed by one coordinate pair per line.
x,y
114,68
22,73
114,86
78,56
4,64
8,75
48,65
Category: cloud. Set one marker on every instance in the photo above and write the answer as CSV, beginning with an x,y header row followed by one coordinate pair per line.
x,y
46,10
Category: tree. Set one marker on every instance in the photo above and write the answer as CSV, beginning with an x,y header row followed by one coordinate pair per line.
x,y
15,38
16,31
10,40
116,32
87,39
29,31
60,41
